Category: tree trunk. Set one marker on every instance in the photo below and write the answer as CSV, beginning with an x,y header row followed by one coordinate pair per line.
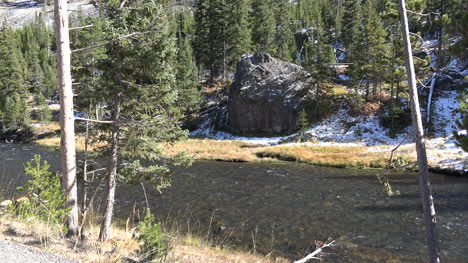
x,y
424,183
84,185
105,232
67,129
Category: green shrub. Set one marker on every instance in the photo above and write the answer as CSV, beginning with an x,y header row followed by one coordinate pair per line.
x,y
46,199
43,114
155,244
395,117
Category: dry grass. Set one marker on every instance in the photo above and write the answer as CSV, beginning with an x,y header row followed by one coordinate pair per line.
x,y
49,238
205,149
190,249
185,248
54,143
334,156
236,151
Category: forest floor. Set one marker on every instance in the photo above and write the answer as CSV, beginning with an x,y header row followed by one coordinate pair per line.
x,y
122,247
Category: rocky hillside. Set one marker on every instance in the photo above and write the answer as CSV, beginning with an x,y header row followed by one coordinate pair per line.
x,y
19,13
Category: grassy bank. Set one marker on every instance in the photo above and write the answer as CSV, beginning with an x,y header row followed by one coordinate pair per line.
x,y
122,247
315,154
237,151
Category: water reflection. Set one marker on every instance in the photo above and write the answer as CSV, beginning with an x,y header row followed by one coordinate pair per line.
x,y
285,207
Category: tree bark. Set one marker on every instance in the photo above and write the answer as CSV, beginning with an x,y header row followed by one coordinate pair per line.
x,y
84,185
105,232
67,129
424,183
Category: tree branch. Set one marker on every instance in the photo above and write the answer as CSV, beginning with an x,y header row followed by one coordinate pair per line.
x,y
110,41
421,14
315,253
95,121
416,35
390,161
80,27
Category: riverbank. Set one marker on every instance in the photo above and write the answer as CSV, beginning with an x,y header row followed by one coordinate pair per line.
x,y
122,247
443,155
340,155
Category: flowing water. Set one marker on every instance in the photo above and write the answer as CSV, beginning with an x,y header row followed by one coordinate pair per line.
x,y
284,207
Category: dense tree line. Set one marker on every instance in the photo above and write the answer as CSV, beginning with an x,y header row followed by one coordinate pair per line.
x,y
368,30
27,68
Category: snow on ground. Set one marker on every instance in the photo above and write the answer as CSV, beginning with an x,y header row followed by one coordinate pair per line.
x,y
341,129
19,13
442,149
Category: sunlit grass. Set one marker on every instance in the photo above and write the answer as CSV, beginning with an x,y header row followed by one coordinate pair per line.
x,y
185,248
333,156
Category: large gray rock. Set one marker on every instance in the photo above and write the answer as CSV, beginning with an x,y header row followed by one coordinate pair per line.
x,y
266,95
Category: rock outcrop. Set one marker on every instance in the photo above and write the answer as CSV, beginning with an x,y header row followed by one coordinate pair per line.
x,y
265,97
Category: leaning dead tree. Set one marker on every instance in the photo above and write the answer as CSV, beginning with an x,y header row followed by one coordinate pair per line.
x,y
67,122
430,220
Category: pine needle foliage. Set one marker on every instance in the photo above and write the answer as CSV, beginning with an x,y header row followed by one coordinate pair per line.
x,y
46,199
155,245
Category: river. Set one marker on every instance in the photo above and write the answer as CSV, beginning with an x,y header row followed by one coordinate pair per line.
x,y
284,207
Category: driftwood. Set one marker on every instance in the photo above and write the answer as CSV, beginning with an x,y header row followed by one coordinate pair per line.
x,y
316,253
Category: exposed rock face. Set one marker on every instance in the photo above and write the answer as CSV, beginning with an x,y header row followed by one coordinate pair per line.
x,y
265,96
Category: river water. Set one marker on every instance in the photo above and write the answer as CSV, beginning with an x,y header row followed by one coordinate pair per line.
x,y
283,207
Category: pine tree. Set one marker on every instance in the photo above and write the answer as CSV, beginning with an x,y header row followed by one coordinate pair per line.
x,y
319,57
13,111
284,35
210,43
263,26
351,26
370,56
237,31
138,83
187,77
200,42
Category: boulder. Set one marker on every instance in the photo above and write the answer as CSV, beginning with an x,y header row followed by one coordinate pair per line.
x,y
6,203
265,97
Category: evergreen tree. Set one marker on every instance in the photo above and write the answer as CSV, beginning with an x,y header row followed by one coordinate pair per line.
x,y
138,82
351,26
370,57
210,41
263,26
13,110
188,87
200,43
286,49
237,31
320,56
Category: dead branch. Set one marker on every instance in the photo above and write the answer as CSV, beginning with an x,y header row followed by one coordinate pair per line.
x,y
95,121
422,14
314,254
390,161
418,36
80,27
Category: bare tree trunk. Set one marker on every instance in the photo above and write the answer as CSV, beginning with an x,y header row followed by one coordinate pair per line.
x,y
67,129
105,232
84,186
424,183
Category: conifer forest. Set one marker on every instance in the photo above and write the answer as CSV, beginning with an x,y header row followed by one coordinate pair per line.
x,y
233,131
